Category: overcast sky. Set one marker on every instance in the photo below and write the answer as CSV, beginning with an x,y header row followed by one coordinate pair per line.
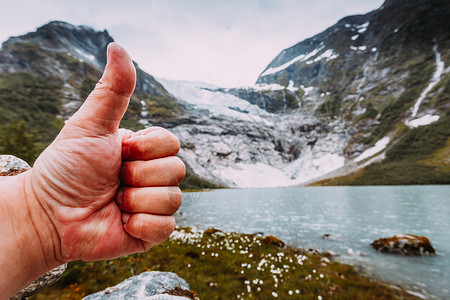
x,y
224,42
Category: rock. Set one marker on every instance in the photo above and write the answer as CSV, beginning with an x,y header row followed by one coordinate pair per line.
x,y
211,231
147,286
406,244
273,241
330,237
44,281
11,165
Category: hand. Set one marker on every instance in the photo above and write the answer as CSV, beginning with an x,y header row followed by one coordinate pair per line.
x,y
98,192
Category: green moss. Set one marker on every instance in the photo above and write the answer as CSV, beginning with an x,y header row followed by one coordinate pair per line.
x,y
291,100
87,85
227,265
330,107
418,157
402,173
160,106
370,113
420,71
421,141
441,92
131,124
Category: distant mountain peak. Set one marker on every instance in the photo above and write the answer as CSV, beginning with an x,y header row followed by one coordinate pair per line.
x,y
81,42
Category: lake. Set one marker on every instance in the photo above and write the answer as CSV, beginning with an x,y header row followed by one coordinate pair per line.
x,y
353,217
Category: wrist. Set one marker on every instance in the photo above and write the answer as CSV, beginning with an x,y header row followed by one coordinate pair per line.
x,y
27,235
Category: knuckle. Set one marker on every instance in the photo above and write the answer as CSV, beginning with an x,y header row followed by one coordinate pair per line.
x,y
165,229
175,142
167,226
130,199
175,197
131,174
180,169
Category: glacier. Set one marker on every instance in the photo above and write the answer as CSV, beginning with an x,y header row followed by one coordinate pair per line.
x,y
255,148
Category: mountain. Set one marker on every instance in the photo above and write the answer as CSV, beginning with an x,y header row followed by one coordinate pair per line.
x,y
364,102
382,74
63,62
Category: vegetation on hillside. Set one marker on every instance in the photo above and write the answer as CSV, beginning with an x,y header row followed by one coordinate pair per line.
x,y
16,139
27,97
420,156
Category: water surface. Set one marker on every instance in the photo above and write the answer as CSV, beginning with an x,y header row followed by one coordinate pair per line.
x,y
353,216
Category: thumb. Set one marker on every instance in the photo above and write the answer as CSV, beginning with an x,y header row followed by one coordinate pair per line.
x,y
105,106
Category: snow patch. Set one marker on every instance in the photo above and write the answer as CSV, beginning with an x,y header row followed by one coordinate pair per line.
x,y
355,37
260,175
310,166
86,55
253,176
363,27
433,81
379,146
307,90
302,57
422,121
291,87
328,55
267,87
217,103
361,48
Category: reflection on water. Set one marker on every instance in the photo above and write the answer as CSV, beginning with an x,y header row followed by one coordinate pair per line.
x,y
352,216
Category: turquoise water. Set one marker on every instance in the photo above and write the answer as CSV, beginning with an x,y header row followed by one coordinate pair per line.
x,y
353,216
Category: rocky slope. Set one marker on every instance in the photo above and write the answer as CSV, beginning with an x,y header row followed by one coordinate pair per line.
x,y
371,88
363,91
65,61
374,71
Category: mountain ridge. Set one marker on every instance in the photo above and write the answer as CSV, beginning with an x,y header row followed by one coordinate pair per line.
x,y
315,109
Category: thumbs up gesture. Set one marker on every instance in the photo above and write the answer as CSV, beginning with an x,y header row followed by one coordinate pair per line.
x,y
97,192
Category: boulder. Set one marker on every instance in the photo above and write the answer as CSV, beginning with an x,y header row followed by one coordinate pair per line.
x,y
148,286
11,165
406,244
273,241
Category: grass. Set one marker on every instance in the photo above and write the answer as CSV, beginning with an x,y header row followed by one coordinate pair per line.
x,y
419,156
220,265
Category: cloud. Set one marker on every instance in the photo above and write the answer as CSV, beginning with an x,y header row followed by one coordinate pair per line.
x,y
223,42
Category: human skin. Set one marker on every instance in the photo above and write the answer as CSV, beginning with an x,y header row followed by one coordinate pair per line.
x,y
97,192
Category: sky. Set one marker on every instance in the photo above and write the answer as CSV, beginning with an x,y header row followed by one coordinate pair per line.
x,y
223,42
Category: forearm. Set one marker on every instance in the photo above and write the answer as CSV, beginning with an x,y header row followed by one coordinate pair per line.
x,y
25,236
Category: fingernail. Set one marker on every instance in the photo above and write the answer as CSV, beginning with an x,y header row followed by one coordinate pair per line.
x,y
108,52
125,217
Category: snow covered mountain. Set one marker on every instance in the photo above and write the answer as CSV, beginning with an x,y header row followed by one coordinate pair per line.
x,y
364,102
236,143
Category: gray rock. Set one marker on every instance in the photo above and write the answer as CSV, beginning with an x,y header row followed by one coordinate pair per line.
x,y
44,281
147,286
9,163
